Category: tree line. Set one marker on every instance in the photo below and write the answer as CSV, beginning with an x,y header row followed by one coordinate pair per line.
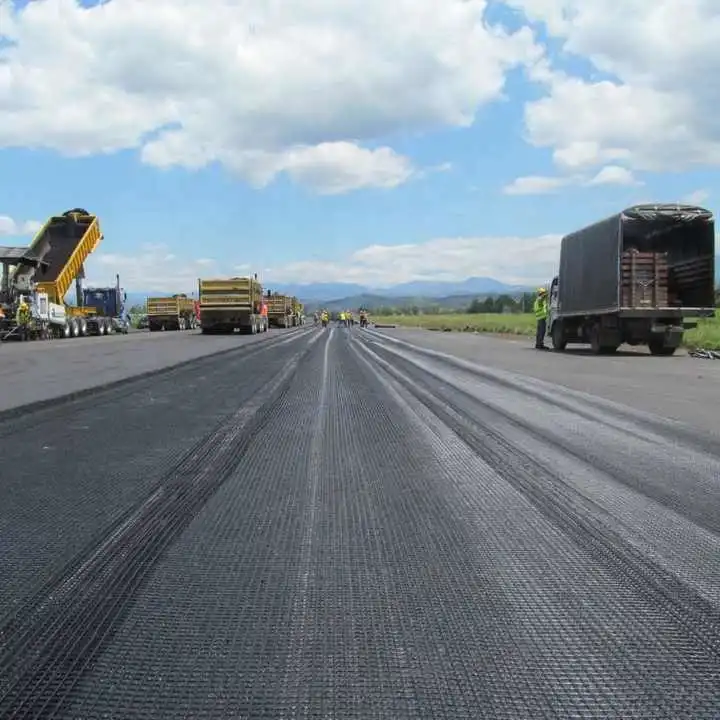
x,y
492,304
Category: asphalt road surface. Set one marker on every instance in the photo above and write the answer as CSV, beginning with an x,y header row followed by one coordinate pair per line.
x,y
38,371
346,524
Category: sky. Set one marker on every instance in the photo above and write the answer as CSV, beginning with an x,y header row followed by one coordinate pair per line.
x,y
369,142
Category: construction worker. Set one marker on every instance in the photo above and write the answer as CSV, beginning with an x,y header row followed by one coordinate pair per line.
x,y
23,317
325,318
342,318
541,310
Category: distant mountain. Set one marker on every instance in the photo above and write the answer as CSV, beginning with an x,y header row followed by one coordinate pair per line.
x,y
373,302
470,286
339,295
317,291
325,292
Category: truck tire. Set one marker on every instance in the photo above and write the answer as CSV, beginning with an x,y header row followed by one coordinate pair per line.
x,y
557,335
658,347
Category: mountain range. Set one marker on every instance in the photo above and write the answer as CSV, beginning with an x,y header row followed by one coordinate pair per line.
x,y
419,288
354,295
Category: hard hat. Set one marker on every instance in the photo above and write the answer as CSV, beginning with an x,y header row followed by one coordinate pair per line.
x,y
541,291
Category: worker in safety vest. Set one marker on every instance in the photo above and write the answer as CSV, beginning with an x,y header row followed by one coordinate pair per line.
x,y
325,317
342,318
23,317
541,311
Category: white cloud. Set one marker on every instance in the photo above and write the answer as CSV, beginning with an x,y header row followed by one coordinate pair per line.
x,y
154,268
696,198
655,106
535,185
515,260
543,184
17,228
261,86
509,259
613,175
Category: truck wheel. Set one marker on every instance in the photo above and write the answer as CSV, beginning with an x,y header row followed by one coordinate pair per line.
x,y
658,347
557,336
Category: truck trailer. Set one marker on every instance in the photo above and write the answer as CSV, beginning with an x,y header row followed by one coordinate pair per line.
x,y
634,278
232,304
176,312
41,276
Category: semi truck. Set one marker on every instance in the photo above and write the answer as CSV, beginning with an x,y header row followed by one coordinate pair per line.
x,y
177,312
635,278
42,274
232,304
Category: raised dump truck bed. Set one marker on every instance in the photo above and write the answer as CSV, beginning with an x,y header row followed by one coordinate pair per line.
x,y
176,312
54,261
232,304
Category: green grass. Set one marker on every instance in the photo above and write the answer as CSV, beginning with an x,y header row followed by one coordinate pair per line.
x,y
706,335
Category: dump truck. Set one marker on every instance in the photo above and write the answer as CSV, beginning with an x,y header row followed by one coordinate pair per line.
x,y
42,275
280,310
176,312
634,278
232,304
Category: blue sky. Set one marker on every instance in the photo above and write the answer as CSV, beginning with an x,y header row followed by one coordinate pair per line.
x,y
270,134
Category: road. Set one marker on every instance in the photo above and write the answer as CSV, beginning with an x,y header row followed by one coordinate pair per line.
x,y
348,524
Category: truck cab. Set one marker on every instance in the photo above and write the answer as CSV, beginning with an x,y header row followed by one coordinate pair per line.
x,y
108,302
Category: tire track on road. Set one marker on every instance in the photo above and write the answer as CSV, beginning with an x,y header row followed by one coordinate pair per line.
x,y
596,409
680,480
681,680
72,477
50,644
588,524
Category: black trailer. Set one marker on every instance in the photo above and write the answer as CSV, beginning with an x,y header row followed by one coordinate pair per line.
x,y
634,278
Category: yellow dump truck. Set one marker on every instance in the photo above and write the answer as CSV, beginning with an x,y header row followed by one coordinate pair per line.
x,y
280,310
232,304
176,312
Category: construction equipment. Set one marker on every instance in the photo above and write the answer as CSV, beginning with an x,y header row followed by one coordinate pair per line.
x,y
176,312
232,304
43,273
634,278
280,310
284,311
